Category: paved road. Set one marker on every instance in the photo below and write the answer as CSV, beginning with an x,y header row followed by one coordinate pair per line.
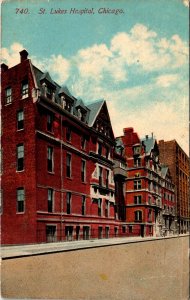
x,y
36,249
135,269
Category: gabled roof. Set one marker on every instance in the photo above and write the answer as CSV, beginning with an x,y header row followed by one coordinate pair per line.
x,y
64,89
46,76
80,103
95,108
149,144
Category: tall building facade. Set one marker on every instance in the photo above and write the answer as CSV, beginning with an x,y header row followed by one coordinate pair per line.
x,y
175,157
57,154
146,187
66,177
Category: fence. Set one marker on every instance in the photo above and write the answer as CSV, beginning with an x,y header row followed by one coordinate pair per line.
x,y
86,233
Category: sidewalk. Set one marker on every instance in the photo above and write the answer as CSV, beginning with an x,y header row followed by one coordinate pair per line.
x,y
8,252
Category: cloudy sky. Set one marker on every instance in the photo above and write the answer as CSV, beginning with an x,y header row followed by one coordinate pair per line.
x,y
137,60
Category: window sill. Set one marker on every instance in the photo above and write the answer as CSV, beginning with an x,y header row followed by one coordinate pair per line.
x,y
24,97
6,104
20,213
51,173
70,178
20,129
20,171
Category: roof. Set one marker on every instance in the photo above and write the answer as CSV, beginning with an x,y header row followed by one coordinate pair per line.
x,y
119,142
149,144
91,110
95,108
164,170
64,89
46,76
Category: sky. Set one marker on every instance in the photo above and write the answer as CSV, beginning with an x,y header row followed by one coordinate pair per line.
x,y
132,53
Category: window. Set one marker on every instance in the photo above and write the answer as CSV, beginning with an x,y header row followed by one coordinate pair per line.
x,y
1,161
138,199
50,159
138,215
50,233
137,184
8,95
123,229
107,232
20,200
150,229
50,200
99,232
20,157
68,134
68,203
107,208
1,201
20,120
100,176
137,162
99,207
130,228
115,231
83,142
107,152
107,178
83,170
86,233
149,215
83,205
68,165
136,150
50,122
24,89
49,91
99,148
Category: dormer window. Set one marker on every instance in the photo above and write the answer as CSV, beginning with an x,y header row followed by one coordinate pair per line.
x,y
25,89
48,86
49,92
79,114
63,101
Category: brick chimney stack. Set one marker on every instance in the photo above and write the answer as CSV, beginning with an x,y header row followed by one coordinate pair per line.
x,y
4,67
23,55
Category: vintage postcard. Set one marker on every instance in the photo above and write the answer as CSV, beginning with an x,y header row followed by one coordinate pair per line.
x,y
95,149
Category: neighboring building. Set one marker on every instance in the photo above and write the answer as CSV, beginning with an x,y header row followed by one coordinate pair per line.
x,y
57,154
120,174
144,187
178,162
169,221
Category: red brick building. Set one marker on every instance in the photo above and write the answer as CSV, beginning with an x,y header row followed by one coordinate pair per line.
x,y
178,161
57,161
145,185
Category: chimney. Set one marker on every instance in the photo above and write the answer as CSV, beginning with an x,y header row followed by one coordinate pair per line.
x,y
23,55
4,67
128,130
